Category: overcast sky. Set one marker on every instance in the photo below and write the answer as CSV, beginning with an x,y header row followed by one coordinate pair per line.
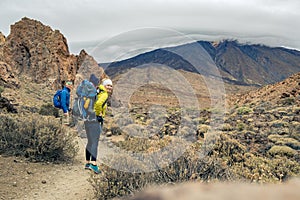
x,y
87,23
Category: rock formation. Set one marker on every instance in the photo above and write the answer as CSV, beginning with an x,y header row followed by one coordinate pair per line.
x,y
40,53
2,42
37,51
7,75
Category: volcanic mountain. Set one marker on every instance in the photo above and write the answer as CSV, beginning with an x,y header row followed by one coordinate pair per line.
x,y
243,64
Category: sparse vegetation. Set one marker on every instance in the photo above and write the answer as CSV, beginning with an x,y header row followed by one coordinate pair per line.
x,y
115,183
257,143
227,159
36,138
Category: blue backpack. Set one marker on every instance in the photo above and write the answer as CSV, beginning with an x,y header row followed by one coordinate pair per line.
x,y
56,99
83,107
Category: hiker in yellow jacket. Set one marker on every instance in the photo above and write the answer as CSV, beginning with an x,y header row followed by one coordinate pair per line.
x,y
105,89
94,128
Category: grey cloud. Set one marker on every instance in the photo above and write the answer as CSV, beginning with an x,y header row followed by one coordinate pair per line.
x,y
88,22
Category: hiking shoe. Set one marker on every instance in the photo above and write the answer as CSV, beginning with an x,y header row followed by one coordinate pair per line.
x,y
95,168
87,166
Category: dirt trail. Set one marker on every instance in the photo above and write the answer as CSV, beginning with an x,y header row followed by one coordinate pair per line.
x,y
20,179
66,182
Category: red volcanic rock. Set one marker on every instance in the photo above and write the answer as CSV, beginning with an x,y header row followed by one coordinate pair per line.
x,y
37,51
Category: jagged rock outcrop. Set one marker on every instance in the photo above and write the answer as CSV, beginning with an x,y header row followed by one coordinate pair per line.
x,y
7,76
2,42
42,54
88,65
35,50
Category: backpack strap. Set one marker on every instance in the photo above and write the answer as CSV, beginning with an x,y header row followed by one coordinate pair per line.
x,y
105,102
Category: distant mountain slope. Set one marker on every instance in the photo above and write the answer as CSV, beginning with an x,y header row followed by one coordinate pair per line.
x,y
159,56
284,92
242,64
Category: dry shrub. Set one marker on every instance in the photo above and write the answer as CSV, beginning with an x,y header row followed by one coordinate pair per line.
x,y
283,151
264,170
188,166
49,110
218,157
36,137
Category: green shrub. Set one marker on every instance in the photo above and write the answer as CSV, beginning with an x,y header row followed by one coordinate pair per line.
x,y
241,126
1,90
36,137
244,110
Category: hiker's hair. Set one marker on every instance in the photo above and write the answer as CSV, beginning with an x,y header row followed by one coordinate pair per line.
x,y
63,82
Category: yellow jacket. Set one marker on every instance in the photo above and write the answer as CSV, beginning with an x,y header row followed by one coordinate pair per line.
x,y
100,105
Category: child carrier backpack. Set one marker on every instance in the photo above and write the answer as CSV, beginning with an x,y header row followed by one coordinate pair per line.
x,y
56,99
83,107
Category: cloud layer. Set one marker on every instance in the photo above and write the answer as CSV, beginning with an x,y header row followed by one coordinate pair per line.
x,y
85,23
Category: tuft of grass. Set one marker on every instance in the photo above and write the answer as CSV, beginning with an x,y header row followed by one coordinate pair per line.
x,y
244,110
1,90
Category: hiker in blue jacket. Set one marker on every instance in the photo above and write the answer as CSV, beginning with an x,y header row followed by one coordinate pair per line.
x,y
65,101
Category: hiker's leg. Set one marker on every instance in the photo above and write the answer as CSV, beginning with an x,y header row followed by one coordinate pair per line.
x,y
95,140
66,119
87,155
89,132
93,131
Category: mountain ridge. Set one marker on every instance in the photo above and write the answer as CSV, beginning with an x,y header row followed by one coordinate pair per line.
x,y
244,64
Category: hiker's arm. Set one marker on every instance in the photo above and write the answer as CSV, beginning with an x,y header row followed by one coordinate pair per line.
x,y
98,105
64,101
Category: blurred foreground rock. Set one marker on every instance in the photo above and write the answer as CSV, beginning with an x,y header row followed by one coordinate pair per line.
x,y
223,191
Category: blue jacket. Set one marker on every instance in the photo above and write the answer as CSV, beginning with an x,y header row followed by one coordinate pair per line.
x,y
65,99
